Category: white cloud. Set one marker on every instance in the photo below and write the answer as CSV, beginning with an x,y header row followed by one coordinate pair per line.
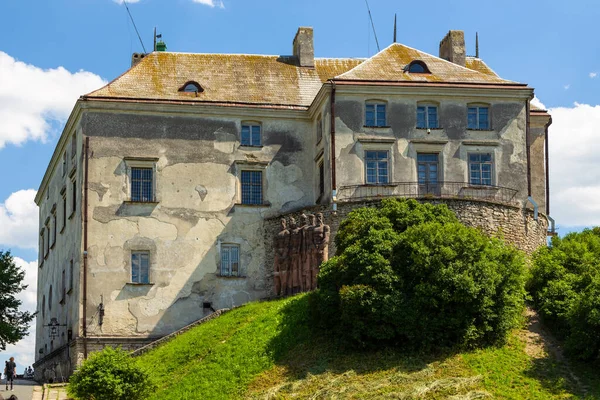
x,y
537,102
211,3
567,86
24,350
31,98
128,1
19,220
575,165
593,75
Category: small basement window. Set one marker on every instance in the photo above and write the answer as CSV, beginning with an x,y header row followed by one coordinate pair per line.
x,y
191,87
417,67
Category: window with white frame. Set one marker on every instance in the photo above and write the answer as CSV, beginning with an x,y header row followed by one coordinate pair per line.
x,y
252,187
478,117
230,260
481,166
251,134
427,116
140,267
375,114
377,167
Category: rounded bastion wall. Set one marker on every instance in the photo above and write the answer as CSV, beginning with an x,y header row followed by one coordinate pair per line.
x,y
516,225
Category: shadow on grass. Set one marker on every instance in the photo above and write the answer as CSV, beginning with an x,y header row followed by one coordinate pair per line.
x,y
558,373
303,349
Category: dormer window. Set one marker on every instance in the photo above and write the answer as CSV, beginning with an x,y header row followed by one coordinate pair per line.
x,y
191,87
417,67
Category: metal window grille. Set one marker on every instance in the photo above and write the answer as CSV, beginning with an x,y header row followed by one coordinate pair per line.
x,y
140,267
427,117
375,114
230,260
252,187
376,163
141,184
251,135
480,168
478,118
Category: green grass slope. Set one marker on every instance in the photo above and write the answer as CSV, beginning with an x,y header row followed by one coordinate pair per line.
x,y
266,351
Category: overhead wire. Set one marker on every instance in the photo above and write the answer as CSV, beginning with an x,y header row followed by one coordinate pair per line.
x,y
135,27
373,25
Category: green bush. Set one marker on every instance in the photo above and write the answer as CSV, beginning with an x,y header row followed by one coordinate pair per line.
x,y
110,374
565,287
410,274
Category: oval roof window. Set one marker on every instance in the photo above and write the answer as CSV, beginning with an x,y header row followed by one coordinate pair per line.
x,y
417,67
191,87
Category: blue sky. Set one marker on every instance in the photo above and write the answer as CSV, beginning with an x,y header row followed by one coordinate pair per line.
x,y
53,51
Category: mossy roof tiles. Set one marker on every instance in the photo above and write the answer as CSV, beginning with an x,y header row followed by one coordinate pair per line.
x,y
276,80
389,65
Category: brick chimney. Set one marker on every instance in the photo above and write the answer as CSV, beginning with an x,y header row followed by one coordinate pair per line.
x,y
136,58
452,47
304,49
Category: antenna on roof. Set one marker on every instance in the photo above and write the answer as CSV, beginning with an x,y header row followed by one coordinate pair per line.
x,y
159,36
373,25
135,27
476,44
394,27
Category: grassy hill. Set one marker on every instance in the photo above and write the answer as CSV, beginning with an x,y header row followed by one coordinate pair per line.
x,y
266,351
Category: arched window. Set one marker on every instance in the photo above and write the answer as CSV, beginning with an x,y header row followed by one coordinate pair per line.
x,y
417,67
191,87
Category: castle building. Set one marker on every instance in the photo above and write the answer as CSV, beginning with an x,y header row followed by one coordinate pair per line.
x,y
165,189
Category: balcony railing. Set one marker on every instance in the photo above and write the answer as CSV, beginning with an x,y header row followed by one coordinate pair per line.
x,y
438,190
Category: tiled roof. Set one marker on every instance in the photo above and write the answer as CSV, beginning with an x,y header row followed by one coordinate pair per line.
x,y
229,78
388,65
276,80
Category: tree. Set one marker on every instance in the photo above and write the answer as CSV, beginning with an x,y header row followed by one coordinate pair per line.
x,y
110,374
410,274
13,323
565,287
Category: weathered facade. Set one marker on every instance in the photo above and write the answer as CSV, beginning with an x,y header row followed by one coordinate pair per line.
x,y
158,204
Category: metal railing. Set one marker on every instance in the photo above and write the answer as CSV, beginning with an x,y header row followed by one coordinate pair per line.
x,y
437,190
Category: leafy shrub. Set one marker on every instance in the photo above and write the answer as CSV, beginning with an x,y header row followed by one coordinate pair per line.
x,y
409,273
565,287
110,374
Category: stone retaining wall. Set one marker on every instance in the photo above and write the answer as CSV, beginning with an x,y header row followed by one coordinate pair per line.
x,y
514,224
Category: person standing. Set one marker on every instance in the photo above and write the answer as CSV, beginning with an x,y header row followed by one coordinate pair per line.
x,y
10,371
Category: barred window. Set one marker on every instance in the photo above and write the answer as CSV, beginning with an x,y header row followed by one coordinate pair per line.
x,y
252,187
376,165
480,168
142,184
140,267
230,260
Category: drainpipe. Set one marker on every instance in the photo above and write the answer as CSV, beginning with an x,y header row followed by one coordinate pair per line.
x,y
547,167
527,146
85,245
333,175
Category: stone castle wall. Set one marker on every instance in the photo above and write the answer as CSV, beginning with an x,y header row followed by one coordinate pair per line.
x,y
514,224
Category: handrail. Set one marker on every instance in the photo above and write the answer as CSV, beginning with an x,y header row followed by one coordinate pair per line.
x,y
440,190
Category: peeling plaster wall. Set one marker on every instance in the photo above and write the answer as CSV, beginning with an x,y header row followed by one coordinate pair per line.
x,y
538,162
453,141
67,247
197,191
